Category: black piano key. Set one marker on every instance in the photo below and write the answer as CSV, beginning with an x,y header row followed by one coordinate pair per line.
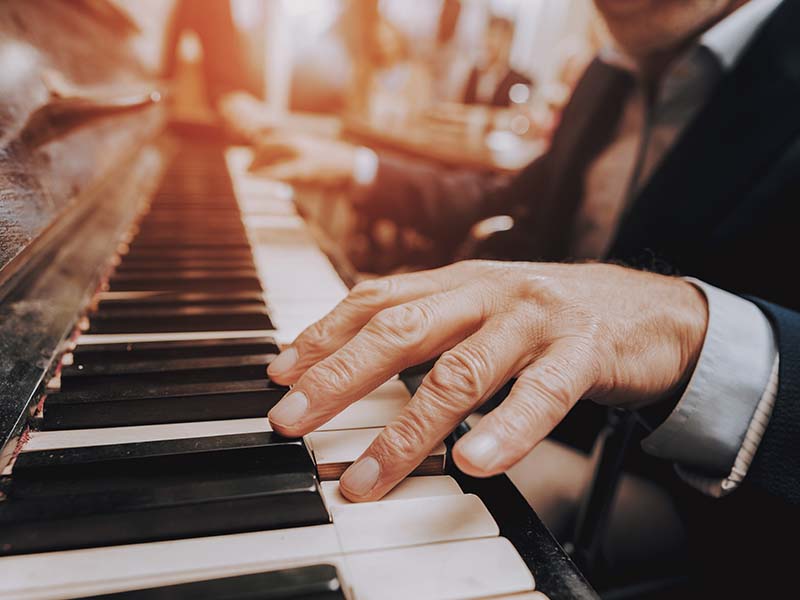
x,y
191,223
168,274
168,253
219,240
190,318
179,274
160,222
167,271
184,283
221,454
212,402
160,214
159,508
163,229
315,582
161,389
210,243
147,366
137,300
148,266
131,306
223,227
135,376
137,351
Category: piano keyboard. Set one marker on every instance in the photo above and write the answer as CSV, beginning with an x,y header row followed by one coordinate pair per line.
x,y
154,472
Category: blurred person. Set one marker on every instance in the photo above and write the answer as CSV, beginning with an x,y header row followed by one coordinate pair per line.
x,y
229,88
491,80
679,152
399,85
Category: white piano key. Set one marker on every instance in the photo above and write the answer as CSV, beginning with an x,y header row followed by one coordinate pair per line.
x,y
128,338
522,596
334,451
416,522
447,571
411,487
102,570
76,438
366,413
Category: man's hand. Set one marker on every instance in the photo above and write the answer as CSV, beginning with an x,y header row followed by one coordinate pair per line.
x,y
305,160
567,332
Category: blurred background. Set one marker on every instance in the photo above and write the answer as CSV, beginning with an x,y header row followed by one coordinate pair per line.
x,y
336,56
467,85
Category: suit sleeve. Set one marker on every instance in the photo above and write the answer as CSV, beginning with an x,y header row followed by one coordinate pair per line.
x,y
776,466
445,203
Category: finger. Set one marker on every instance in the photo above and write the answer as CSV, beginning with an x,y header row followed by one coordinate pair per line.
x,y
391,341
292,171
541,397
461,379
336,328
269,153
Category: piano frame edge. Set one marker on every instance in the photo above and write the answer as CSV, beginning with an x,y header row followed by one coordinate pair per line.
x,y
41,303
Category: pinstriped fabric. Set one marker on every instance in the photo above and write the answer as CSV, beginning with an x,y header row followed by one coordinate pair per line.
x,y
716,487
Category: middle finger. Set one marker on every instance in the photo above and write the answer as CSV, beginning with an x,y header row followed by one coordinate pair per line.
x,y
393,340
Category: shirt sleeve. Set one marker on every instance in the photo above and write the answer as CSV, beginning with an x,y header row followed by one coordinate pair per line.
x,y
365,166
713,431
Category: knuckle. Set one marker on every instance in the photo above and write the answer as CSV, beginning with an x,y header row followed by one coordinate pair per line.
x,y
331,375
316,337
512,426
407,324
372,292
553,385
541,288
460,373
402,438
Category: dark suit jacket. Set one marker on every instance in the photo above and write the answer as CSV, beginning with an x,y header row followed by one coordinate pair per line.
x,y
723,207
500,97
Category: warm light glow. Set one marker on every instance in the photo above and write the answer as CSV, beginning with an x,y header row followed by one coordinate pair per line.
x,y
519,93
16,61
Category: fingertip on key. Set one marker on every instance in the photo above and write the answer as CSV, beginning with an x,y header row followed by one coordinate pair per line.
x,y
477,454
283,363
360,478
287,413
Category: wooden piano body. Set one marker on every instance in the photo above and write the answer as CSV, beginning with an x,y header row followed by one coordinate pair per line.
x,y
132,262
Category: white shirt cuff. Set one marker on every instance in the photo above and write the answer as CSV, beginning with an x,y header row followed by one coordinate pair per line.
x,y
706,430
365,166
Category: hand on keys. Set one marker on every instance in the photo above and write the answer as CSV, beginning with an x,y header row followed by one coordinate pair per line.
x,y
566,332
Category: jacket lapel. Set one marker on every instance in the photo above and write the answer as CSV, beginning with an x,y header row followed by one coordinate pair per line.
x,y
588,123
753,114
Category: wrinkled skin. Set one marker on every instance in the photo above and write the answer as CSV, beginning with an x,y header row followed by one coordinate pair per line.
x,y
618,336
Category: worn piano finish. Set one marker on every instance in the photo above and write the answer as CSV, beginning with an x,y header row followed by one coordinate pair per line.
x,y
75,174
67,165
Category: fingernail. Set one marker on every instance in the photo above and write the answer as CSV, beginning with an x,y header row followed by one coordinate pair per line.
x,y
361,477
480,450
289,410
283,362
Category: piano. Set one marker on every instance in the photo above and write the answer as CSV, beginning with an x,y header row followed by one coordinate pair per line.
x,y
146,281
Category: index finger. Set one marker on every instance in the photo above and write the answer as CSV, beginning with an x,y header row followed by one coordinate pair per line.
x,y
364,301
393,340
